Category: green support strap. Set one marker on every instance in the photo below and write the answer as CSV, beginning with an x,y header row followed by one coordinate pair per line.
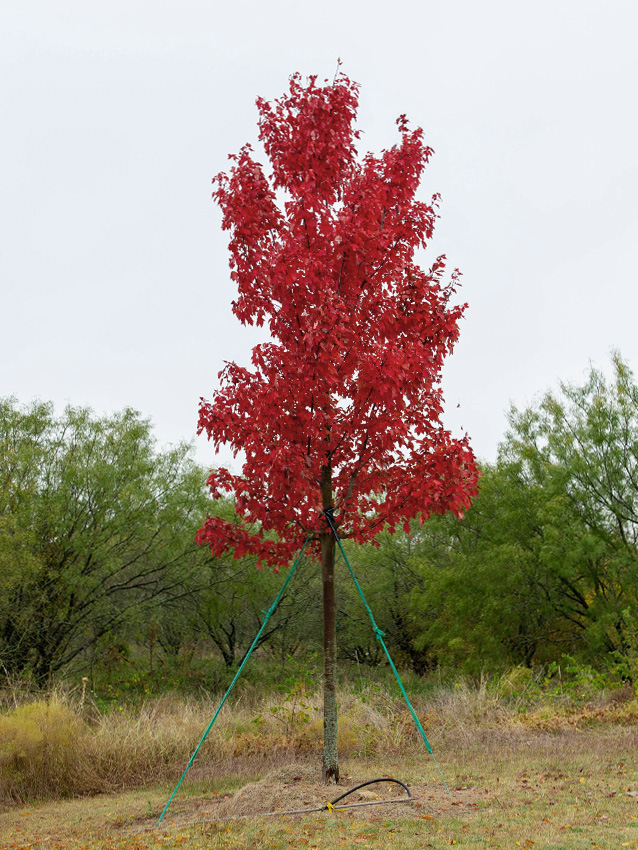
x,y
237,675
380,635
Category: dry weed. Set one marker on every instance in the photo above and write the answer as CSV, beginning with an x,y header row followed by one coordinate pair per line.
x,y
65,746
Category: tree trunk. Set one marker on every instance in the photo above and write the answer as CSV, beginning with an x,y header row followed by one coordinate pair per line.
x,y
330,757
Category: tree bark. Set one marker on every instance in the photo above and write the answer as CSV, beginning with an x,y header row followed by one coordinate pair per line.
x,y
330,757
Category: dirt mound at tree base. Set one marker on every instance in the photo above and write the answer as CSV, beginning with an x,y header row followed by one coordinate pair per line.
x,y
298,786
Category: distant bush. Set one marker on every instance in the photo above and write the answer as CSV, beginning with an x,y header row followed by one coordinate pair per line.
x,y
40,749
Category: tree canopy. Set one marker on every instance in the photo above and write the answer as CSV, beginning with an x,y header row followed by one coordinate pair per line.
x,y
94,524
342,408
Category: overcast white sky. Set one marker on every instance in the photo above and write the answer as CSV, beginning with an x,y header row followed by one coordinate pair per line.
x,y
115,116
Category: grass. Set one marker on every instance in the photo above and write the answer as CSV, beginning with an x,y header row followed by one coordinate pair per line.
x,y
511,788
524,771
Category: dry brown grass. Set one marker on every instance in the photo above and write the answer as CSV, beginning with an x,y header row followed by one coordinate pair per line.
x,y
63,746
511,787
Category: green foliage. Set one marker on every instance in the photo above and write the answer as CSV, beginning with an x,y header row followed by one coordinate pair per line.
x,y
389,574
295,711
230,602
582,449
545,562
95,524
99,573
484,584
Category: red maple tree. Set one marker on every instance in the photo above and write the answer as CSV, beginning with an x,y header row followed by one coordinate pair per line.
x,y
342,408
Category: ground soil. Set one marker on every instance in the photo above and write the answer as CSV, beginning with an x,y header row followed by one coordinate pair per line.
x,y
287,791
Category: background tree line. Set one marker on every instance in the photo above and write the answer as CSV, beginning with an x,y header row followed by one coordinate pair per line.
x,y
100,574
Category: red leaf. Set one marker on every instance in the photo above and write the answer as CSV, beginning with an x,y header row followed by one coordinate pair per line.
x,y
349,385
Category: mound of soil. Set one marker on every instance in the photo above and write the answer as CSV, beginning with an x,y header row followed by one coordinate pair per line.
x,y
297,787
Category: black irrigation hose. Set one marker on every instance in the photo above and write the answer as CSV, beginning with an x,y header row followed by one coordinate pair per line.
x,y
369,782
333,807
327,807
